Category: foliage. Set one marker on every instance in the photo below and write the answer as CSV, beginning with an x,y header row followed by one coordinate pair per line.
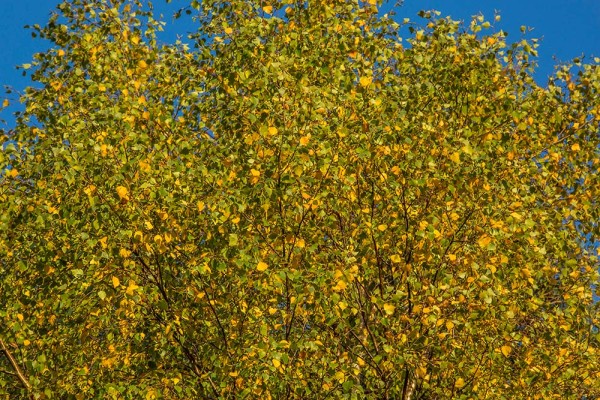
x,y
303,205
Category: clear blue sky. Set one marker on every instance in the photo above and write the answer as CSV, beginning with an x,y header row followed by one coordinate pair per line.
x,y
568,28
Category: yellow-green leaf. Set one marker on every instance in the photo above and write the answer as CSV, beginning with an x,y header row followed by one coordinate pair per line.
x,y
389,308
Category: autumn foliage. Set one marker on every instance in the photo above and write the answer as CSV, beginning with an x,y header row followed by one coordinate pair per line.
x,y
312,200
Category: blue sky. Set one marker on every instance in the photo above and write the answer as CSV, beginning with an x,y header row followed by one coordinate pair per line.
x,y
568,28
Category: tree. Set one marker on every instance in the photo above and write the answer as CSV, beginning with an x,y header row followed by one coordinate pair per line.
x,y
301,205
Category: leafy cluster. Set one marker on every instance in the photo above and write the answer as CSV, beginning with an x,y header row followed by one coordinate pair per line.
x,y
301,205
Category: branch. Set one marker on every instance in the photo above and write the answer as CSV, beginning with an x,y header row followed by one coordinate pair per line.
x,y
18,372
408,389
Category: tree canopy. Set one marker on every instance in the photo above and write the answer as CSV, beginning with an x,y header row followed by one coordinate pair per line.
x,y
305,200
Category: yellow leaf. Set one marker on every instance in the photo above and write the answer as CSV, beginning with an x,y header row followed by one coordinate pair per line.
x,y
304,140
276,363
460,382
148,225
382,227
131,288
272,131
365,81
135,39
142,64
5,103
228,30
123,193
455,157
452,257
26,342
60,53
389,309
268,9
484,241
20,317
396,258
339,286
575,147
506,350
233,374
254,172
103,242
115,281
262,266
13,173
